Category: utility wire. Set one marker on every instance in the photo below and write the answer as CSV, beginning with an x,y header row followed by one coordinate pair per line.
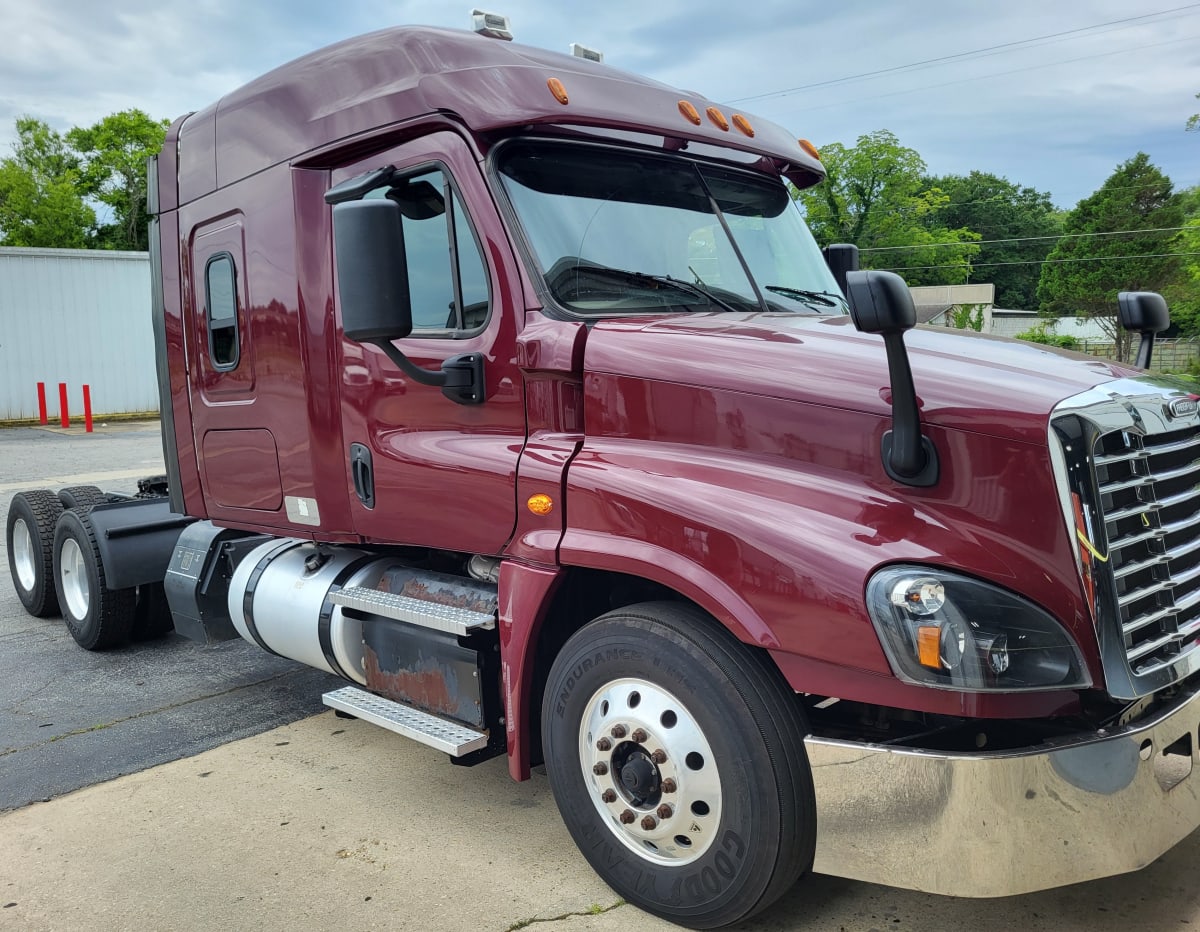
x,y
962,55
1025,239
985,265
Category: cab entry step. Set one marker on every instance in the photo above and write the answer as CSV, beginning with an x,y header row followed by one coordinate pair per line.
x,y
456,740
448,618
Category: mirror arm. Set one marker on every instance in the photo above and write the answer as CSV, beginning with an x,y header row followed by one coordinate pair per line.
x,y
460,378
1145,350
908,455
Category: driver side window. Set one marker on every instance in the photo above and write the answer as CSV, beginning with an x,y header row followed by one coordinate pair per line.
x,y
447,279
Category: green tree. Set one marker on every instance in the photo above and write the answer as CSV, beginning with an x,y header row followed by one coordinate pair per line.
x,y
41,203
1193,122
1083,273
1017,225
1183,294
874,197
113,154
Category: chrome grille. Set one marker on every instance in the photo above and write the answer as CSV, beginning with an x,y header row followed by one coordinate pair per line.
x,y
1149,487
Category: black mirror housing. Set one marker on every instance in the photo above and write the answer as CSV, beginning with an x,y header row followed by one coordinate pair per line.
x,y
842,258
880,302
368,242
1143,311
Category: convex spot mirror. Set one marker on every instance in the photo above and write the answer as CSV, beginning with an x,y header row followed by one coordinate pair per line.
x,y
1142,311
880,302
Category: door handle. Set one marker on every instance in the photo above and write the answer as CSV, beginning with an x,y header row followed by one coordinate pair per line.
x,y
362,474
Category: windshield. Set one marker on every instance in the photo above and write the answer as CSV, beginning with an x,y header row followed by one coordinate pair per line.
x,y
626,232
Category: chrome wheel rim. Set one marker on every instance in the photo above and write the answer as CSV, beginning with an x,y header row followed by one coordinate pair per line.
x,y
650,772
73,577
25,556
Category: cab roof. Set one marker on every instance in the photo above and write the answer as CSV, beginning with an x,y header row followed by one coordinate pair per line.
x,y
400,74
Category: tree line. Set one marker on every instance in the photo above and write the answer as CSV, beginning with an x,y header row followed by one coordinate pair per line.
x,y
1135,233
86,188
83,189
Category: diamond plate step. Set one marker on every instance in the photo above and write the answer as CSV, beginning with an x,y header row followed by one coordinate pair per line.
x,y
448,618
456,740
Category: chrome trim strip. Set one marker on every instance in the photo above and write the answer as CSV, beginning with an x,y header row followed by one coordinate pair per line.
x,y
1003,823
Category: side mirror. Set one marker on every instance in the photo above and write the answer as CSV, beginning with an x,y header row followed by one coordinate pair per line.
x,y
841,259
368,243
880,302
1143,312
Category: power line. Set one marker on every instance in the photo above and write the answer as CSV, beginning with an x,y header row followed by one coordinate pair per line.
x,y
1025,239
987,265
961,55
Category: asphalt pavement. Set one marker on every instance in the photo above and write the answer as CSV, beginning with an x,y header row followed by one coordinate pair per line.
x,y
170,786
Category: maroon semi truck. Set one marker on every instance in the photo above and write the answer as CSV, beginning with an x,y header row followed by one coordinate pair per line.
x,y
512,389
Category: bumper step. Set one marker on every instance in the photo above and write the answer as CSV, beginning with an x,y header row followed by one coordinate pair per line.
x,y
451,737
448,618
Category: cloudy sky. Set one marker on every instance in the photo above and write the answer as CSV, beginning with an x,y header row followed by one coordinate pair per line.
x,y
1050,94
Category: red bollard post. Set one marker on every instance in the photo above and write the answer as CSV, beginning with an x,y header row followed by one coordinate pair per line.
x,y
64,417
87,409
42,402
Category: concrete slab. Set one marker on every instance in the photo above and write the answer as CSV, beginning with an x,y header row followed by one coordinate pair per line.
x,y
327,823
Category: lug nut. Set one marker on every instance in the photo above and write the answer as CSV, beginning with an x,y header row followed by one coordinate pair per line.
x,y
659,756
668,785
600,769
665,811
603,745
619,731
627,817
609,796
649,823
639,735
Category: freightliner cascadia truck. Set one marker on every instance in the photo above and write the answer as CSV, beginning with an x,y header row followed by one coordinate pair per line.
x,y
512,389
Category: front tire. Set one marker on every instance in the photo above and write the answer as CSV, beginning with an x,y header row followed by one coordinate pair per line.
x,y
676,757
97,617
29,536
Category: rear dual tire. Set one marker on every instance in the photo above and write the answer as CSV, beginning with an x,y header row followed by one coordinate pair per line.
x,y
97,617
29,536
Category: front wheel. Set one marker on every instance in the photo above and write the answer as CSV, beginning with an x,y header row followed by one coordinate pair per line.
x,y
676,757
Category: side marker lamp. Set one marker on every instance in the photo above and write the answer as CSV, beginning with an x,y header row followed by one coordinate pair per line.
x,y
558,90
689,111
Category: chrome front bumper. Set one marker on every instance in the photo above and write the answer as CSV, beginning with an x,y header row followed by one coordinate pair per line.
x,y
996,824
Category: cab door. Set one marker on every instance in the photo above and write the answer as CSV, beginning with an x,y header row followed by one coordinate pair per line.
x,y
424,470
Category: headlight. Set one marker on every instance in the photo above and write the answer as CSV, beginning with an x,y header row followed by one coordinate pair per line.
x,y
953,632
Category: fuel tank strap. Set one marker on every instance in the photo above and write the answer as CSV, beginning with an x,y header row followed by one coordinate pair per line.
x,y
325,620
252,584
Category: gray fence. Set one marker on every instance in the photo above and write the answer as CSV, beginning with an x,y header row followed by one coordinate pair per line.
x,y
80,317
1168,356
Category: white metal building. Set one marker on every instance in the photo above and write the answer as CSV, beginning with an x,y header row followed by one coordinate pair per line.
x,y
80,317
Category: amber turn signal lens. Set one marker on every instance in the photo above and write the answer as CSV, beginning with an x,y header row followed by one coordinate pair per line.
x,y
540,504
929,646
718,119
743,124
689,111
810,149
558,90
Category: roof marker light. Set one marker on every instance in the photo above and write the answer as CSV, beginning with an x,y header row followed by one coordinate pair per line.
x,y
743,124
810,149
718,119
558,90
688,109
582,51
492,25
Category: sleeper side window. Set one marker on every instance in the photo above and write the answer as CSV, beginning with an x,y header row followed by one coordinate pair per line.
x,y
220,290
447,279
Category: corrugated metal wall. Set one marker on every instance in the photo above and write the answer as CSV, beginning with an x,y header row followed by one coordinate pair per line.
x,y
75,316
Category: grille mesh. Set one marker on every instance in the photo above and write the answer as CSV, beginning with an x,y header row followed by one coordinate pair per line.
x,y
1150,497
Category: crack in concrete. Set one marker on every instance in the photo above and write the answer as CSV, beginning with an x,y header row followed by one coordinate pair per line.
x,y
166,708
594,910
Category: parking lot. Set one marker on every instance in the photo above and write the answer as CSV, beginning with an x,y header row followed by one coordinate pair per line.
x,y
167,785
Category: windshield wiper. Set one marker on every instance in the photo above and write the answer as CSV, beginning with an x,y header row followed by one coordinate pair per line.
x,y
696,291
810,298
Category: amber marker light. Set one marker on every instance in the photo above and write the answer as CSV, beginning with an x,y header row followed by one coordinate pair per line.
x,y
558,90
810,149
743,125
718,119
688,109
540,504
929,646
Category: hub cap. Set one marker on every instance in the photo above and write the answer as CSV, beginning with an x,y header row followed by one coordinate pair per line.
x,y
25,558
74,578
650,771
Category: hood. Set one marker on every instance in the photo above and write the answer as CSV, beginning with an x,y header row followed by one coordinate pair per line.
x,y
964,380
